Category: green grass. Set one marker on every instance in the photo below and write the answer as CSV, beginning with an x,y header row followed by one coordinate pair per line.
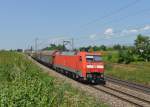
x,y
22,84
136,72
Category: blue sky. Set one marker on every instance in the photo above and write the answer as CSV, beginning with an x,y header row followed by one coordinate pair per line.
x,y
51,21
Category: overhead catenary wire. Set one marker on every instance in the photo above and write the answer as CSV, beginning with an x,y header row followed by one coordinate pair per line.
x,y
110,14
103,37
120,19
116,34
127,16
113,13
54,41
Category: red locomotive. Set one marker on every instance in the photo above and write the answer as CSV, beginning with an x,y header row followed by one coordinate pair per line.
x,y
83,66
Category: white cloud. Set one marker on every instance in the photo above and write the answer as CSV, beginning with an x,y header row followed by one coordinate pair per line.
x,y
133,31
136,30
147,27
125,31
108,31
92,36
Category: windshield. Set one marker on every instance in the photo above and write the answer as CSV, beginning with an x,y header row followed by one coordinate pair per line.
x,y
93,58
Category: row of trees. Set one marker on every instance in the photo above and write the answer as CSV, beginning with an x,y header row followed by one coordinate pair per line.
x,y
104,48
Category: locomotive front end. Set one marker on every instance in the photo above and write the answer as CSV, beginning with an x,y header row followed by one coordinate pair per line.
x,y
94,68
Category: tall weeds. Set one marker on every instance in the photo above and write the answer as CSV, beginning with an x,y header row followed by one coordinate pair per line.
x,y
22,84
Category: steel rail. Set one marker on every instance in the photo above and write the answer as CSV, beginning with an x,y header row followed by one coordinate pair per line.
x,y
131,85
138,98
122,98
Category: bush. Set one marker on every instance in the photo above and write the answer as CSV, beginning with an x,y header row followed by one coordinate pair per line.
x,y
109,57
125,56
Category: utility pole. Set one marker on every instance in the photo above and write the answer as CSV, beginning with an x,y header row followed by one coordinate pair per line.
x,y
36,43
72,44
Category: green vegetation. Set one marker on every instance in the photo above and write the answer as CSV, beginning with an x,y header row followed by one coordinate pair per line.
x,y
140,51
93,48
22,84
130,63
136,72
55,47
111,56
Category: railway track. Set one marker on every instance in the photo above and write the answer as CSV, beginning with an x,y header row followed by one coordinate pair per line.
x,y
127,97
137,101
131,85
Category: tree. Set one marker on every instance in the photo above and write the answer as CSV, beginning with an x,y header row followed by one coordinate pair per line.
x,y
82,48
103,47
90,49
96,48
142,45
117,47
61,47
55,47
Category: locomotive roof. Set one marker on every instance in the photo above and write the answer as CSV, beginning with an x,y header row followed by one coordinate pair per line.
x,y
69,53
47,52
77,53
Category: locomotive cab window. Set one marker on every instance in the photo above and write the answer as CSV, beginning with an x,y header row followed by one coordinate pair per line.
x,y
93,58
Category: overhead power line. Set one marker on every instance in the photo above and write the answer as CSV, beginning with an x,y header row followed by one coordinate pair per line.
x,y
112,13
117,34
109,15
122,18
127,16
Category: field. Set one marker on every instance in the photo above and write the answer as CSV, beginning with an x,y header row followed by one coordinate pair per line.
x,y
24,85
135,71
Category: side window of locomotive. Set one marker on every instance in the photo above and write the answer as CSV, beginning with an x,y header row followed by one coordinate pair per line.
x,y
80,59
97,58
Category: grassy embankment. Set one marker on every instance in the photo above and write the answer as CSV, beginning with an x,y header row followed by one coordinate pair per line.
x,y
135,71
22,83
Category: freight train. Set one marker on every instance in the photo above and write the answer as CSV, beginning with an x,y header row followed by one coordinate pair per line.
x,y
81,66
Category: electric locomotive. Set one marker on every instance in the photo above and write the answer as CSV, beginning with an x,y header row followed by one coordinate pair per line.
x,y
82,66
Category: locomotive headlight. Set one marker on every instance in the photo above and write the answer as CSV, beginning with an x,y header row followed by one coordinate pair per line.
x,y
100,66
90,66
102,75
